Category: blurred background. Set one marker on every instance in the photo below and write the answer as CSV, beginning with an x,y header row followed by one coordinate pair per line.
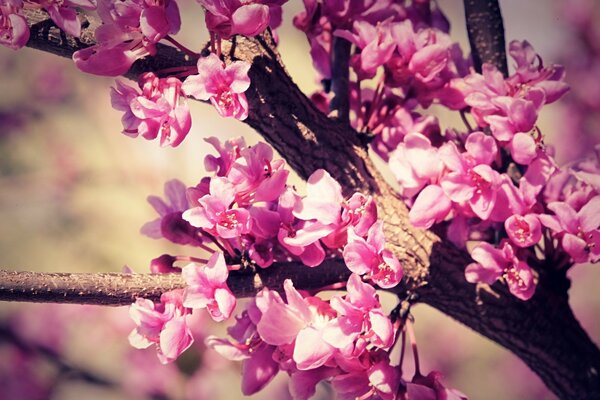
x,y
72,198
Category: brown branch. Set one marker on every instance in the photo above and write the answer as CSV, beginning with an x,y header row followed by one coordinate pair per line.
x,y
486,34
340,67
542,331
119,289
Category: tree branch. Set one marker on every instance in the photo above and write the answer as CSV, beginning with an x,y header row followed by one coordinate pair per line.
x,y
120,289
542,331
340,68
486,34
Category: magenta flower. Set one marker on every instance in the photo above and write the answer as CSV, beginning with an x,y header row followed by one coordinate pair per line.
x,y
492,264
158,110
415,163
256,177
523,231
207,287
370,257
214,214
578,230
130,32
471,180
229,151
14,31
258,364
234,17
301,323
360,317
170,223
376,380
223,85
162,324
64,15
376,42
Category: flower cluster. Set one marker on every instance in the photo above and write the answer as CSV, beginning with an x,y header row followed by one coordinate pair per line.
x,y
248,212
14,31
158,110
130,31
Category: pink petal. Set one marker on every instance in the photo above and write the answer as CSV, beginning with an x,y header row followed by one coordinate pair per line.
x,y
250,20
431,205
310,350
175,338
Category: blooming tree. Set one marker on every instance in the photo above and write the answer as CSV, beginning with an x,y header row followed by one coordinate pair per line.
x,y
483,224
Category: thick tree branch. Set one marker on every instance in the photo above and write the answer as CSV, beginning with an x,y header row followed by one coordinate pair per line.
x,y
542,331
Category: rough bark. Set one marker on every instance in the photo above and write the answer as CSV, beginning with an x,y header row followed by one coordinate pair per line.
x,y
543,331
486,34
121,289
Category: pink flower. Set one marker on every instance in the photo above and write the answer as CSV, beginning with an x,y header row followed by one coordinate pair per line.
x,y
234,17
378,380
301,323
370,257
258,364
376,43
431,206
162,324
130,31
492,264
255,176
471,180
223,85
415,163
159,109
579,231
360,317
170,223
229,151
64,15
214,214
523,231
14,31
207,287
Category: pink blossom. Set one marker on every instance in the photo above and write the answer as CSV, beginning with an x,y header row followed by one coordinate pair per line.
x,y
578,230
430,387
471,180
229,151
378,380
492,264
431,206
223,85
258,364
63,13
207,287
130,32
234,17
523,231
214,214
14,31
256,176
360,317
162,324
158,109
301,322
376,43
370,257
170,223
415,163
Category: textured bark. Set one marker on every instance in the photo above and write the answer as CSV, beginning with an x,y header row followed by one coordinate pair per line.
x,y
542,331
120,289
486,33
